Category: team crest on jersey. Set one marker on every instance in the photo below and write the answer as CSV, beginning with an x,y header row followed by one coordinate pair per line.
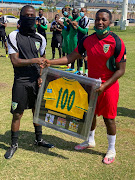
x,y
37,44
106,48
14,105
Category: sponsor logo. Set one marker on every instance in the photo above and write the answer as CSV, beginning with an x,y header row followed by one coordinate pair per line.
x,y
37,44
49,90
14,105
106,48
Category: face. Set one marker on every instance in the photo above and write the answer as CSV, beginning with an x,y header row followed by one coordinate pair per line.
x,y
67,9
83,10
29,12
102,20
40,12
74,12
57,18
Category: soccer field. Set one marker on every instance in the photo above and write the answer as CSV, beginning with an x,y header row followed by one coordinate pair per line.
x,y
63,162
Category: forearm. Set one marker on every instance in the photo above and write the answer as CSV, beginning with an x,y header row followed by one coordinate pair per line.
x,y
60,61
59,29
17,62
66,59
43,27
84,31
114,77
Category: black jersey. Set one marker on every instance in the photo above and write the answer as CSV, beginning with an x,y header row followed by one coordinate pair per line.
x,y
3,20
28,48
56,32
57,36
43,22
83,23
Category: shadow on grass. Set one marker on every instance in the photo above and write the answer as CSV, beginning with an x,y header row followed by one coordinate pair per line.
x,y
121,111
26,142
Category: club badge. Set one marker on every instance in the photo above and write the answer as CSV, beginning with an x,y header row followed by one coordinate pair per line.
x,y
37,44
106,48
14,105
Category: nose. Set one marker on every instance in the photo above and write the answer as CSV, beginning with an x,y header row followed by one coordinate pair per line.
x,y
100,21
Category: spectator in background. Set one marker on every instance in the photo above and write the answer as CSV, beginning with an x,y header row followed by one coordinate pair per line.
x,y
57,36
41,23
65,31
73,34
82,27
3,25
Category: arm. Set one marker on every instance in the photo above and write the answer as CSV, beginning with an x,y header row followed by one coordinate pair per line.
x,y
5,24
58,29
118,73
84,31
43,27
64,60
17,62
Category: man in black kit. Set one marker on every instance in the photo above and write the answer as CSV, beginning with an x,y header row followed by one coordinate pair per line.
x,y
57,36
23,46
3,25
41,23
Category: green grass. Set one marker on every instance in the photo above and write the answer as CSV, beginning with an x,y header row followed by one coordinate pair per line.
x,y
63,162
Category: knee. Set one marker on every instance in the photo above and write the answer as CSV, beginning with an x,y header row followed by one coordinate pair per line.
x,y
109,122
16,117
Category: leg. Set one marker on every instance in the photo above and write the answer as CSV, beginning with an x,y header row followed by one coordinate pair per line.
x,y
59,49
14,135
53,52
6,48
86,66
91,141
38,132
81,66
4,41
111,136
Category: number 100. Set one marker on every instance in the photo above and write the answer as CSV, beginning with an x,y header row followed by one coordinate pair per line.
x,y
66,99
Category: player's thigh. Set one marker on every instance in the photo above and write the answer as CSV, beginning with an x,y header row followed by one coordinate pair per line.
x,y
19,98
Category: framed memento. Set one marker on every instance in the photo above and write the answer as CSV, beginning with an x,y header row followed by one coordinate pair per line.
x,y
66,102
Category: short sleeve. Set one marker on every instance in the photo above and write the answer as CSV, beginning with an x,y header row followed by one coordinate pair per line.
x,y
12,44
120,51
5,19
87,23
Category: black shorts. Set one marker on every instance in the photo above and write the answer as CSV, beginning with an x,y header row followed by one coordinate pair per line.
x,y
56,42
23,96
3,36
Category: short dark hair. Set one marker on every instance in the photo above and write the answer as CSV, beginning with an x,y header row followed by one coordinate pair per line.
x,y
40,9
107,11
56,15
26,7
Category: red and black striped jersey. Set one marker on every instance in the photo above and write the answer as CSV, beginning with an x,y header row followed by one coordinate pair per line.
x,y
102,54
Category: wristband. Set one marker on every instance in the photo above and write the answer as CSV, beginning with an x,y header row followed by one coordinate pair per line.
x,y
65,27
77,25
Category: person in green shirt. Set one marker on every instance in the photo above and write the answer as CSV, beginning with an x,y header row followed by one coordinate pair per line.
x,y
82,27
65,32
73,34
